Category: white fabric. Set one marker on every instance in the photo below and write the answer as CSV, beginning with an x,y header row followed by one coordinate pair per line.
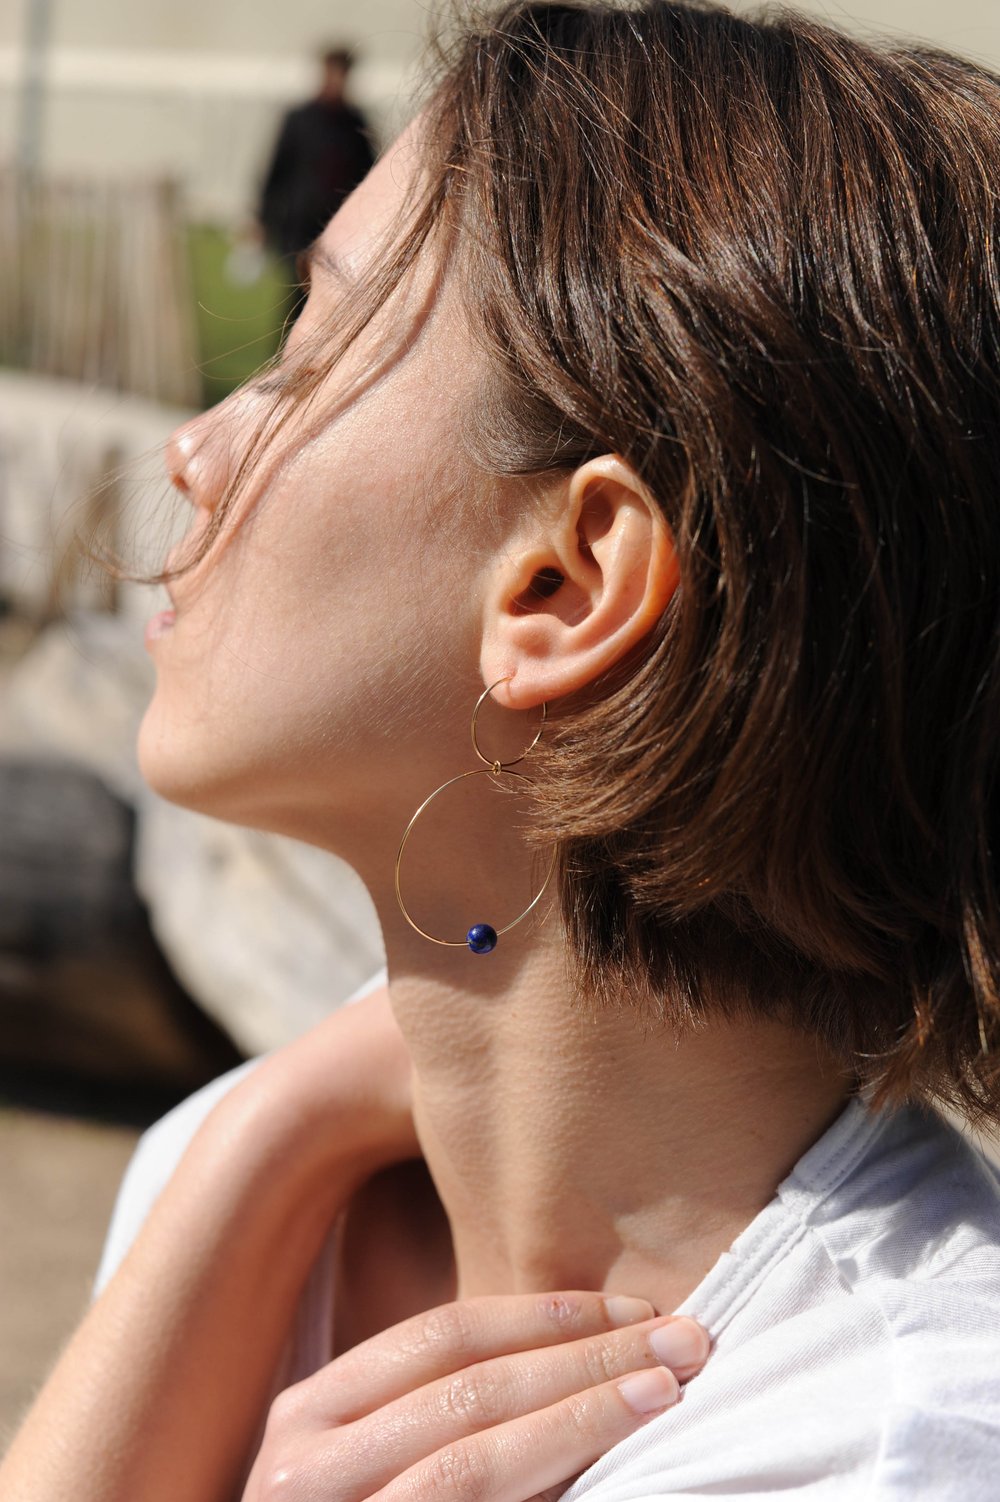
x,y
856,1326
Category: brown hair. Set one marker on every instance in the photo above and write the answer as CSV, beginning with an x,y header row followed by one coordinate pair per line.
x,y
758,259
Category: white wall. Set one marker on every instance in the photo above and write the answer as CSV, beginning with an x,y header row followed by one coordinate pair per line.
x,y
194,88
265,27
971,27
271,29
205,119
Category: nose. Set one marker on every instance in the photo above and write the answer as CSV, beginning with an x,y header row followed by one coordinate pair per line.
x,y
180,456
190,465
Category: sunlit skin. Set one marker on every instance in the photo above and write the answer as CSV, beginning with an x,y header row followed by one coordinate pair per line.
x,y
319,681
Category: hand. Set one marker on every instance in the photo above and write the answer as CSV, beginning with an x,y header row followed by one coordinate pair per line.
x,y
486,1400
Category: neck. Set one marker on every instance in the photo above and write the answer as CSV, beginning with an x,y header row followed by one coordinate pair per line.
x,y
581,1150
571,1147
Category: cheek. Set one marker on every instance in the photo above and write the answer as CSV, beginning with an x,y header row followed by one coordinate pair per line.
x,y
326,632
314,638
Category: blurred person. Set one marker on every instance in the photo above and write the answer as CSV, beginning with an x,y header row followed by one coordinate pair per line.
x,y
643,419
322,152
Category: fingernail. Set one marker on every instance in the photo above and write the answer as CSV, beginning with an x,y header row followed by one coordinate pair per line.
x,y
645,1392
626,1311
681,1343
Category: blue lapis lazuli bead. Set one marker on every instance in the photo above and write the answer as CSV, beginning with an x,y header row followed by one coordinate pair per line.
x,y
481,938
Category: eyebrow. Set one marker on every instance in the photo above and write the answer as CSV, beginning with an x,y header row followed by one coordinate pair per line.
x,y
319,255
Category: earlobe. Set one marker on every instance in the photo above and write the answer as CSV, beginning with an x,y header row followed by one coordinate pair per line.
x,y
581,588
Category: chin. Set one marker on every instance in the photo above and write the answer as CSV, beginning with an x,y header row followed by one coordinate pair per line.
x,y
177,765
186,765
171,769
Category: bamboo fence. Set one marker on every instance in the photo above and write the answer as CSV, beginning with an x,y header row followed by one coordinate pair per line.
x,y
94,285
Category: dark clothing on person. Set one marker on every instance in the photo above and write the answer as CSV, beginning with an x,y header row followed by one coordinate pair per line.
x,y
322,153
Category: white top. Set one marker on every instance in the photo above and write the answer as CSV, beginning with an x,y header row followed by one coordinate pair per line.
x,y
856,1326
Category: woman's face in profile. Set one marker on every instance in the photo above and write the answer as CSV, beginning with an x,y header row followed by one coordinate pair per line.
x,y
308,645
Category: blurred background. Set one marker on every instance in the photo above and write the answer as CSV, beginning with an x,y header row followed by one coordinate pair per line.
x,y
153,189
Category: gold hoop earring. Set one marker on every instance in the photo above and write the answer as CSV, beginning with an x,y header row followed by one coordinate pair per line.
x,y
482,937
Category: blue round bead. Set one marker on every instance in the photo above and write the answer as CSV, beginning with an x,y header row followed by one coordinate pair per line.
x,y
481,938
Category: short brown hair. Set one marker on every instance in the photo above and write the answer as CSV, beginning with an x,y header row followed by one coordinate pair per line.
x,y
759,259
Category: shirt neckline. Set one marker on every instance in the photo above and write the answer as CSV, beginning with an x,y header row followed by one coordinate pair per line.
x,y
821,1170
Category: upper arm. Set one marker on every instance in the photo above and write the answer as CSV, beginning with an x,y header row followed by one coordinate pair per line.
x,y
157,1154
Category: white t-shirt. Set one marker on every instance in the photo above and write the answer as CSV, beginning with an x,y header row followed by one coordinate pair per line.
x,y
856,1326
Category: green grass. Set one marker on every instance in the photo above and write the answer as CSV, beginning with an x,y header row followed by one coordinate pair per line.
x,y
239,327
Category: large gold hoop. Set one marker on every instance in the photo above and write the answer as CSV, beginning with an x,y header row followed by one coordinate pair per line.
x,y
481,937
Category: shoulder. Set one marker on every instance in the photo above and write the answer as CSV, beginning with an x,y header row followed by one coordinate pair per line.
x,y
855,1336
912,1235
915,1237
928,1266
157,1154
161,1148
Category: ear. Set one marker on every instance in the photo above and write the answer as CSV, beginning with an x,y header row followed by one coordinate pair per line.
x,y
579,587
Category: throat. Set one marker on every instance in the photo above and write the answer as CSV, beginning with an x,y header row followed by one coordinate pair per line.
x,y
578,1183
576,1149
551,1241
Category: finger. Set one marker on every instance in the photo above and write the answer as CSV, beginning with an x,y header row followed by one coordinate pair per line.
x,y
491,1393
528,1455
453,1336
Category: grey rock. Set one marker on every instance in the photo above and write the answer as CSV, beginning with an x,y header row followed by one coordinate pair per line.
x,y
268,935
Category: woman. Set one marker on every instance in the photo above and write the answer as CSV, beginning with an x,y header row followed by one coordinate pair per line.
x,y
650,385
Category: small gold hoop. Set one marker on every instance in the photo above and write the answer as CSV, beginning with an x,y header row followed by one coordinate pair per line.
x,y
491,761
